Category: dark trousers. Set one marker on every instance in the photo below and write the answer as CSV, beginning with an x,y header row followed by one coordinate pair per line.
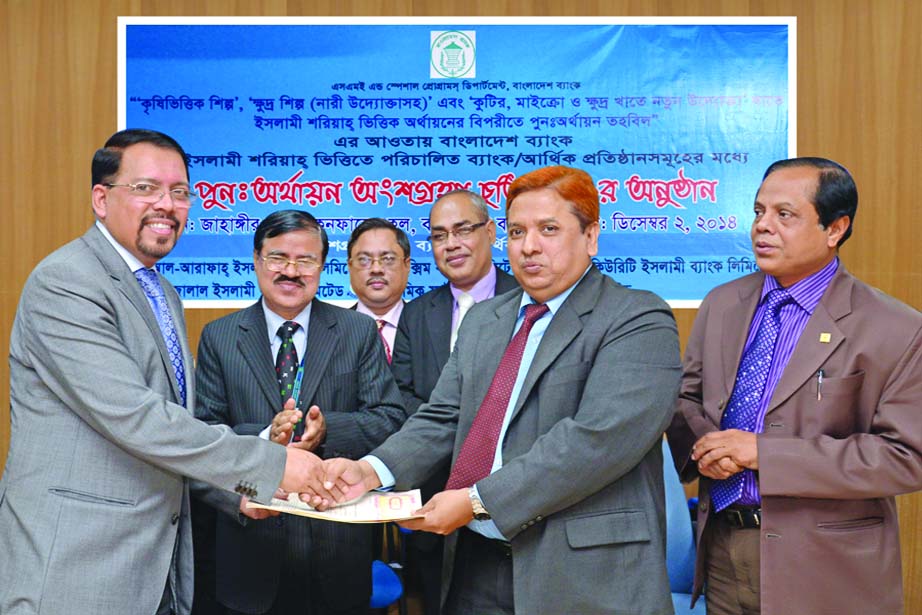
x,y
482,578
732,569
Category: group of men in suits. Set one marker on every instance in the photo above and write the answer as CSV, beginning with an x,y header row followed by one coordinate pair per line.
x,y
536,411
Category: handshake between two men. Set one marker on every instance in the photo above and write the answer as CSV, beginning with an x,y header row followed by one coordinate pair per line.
x,y
327,483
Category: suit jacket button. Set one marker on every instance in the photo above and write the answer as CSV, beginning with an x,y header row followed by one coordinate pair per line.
x,y
174,519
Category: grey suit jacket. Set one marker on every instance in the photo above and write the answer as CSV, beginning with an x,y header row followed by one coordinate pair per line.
x,y
347,376
829,465
94,499
580,493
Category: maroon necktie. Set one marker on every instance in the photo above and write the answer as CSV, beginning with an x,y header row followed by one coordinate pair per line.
x,y
387,347
476,457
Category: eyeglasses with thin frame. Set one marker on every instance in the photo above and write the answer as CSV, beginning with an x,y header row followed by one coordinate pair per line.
x,y
152,193
462,232
278,264
387,261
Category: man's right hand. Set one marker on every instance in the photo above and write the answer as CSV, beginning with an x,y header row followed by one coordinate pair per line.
x,y
305,474
353,478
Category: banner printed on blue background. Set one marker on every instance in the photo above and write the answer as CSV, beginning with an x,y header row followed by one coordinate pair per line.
x,y
675,122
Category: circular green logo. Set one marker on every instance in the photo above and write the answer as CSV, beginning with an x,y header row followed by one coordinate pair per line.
x,y
452,54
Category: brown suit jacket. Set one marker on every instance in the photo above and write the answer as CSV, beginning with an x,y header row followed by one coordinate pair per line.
x,y
828,468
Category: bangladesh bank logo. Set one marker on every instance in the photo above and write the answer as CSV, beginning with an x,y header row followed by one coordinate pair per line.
x,y
453,53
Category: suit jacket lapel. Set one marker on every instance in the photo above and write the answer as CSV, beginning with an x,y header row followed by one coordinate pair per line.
x,y
564,328
440,305
491,344
123,279
810,353
321,344
736,321
255,349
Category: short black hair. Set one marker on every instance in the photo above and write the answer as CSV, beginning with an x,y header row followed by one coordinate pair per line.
x,y
288,221
108,159
370,224
836,194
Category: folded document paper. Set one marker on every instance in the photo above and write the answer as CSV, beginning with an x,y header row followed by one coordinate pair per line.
x,y
373,507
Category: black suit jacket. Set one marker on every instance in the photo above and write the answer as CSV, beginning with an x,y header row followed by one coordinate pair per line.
x,y
346,375
423,336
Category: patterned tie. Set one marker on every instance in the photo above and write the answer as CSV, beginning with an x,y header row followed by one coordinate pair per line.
x,y
151,285
387,347
286,361
465,302
476,457
743,408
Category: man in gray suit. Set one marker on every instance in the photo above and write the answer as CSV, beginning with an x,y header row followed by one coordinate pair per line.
x,y
555,438
291,564
462,236
94,500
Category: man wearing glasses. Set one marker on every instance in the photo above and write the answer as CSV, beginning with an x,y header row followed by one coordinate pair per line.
x,y
293,352
462,235
94,502
379,265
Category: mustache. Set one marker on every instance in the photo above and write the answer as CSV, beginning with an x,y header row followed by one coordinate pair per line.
x,y
169,217
284,278
374,280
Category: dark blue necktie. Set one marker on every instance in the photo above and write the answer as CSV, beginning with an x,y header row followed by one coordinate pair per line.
x,y
151,285
743,408
286,361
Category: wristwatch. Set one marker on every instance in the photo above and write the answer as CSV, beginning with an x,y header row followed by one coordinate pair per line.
x,y
480,513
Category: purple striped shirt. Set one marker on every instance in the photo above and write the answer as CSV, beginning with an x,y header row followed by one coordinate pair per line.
x,y
794,317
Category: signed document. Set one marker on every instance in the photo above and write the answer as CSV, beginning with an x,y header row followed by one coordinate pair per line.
x,y
373,507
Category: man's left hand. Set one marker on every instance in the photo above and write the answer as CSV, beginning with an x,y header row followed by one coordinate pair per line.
x,y
315,430
740,446
444,513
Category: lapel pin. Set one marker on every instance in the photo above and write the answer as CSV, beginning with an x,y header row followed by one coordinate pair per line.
x,y
825,338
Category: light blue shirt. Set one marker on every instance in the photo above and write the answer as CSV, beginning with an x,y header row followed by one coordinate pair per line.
x,y
488,528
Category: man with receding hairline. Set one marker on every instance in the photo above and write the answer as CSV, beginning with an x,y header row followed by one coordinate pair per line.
x,y
550,413
799,412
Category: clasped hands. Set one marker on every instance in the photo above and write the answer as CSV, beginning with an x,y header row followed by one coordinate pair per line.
x,y
721,454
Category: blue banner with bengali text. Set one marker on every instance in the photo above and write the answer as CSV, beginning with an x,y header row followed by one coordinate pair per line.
x,y
675,121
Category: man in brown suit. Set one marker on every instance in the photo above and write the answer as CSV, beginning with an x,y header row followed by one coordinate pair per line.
x,y
797,481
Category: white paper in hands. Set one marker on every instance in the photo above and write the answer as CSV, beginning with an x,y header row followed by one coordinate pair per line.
x,y
373,507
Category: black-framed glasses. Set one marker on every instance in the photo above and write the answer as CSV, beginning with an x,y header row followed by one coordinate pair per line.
x,y
277,264
152,193
387,261
462,232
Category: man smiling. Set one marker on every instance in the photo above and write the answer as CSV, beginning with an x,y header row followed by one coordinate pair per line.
x,y
293,350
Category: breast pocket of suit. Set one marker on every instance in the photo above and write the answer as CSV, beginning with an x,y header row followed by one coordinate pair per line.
x,y
838,411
